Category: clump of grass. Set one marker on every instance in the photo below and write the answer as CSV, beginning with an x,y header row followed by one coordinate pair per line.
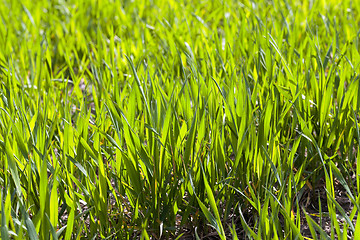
x,y
158,119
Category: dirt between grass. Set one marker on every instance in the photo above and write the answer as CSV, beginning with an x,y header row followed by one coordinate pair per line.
x,y
312,202
316,202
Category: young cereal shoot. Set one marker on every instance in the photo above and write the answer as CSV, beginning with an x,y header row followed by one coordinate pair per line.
x,y
179,119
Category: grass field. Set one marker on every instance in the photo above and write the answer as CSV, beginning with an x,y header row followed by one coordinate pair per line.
x,y
179,119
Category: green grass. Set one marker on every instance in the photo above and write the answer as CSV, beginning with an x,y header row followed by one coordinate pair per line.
x,y
179,119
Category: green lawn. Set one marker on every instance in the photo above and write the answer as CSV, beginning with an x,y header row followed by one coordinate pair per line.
x,y
183,119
